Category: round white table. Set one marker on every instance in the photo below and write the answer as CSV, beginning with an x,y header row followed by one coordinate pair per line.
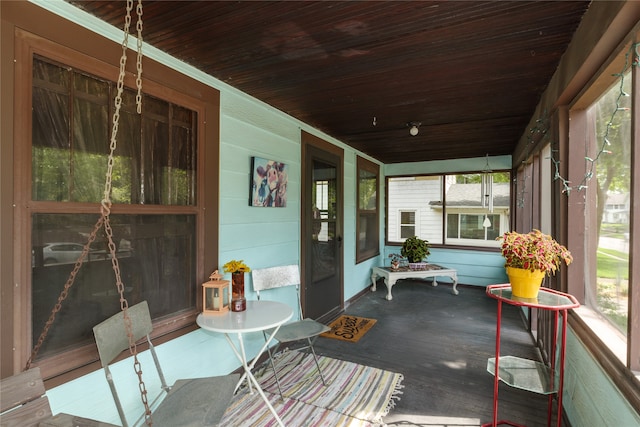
x,y
260,316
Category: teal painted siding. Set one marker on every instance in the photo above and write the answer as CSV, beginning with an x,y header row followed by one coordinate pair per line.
x,y
477,268
590,398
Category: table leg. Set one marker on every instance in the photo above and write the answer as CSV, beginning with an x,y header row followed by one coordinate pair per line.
x,y
496,376
455,285
496,379
389,283
374,278
242,358
241,355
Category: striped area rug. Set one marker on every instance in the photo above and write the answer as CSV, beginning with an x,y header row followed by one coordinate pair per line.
x,y
355,395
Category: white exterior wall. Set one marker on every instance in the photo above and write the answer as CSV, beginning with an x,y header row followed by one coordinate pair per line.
x,y
415,194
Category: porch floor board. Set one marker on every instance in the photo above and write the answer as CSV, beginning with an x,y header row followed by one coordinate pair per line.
x,y
440,342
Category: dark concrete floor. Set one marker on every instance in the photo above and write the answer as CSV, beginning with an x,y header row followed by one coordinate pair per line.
x,y
440,342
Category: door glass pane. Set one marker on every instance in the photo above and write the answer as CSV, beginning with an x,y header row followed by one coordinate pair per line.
x,y
324,208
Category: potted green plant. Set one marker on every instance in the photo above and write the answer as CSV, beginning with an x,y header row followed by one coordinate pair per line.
x,y
415,250
531,256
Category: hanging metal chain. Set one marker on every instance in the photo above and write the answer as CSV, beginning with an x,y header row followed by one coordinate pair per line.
x,y
105,210
139,58
106,201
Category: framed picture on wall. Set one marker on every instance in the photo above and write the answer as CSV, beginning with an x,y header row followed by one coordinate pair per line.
x,y
268,183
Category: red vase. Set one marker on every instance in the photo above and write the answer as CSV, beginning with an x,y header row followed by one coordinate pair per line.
x,y
238,302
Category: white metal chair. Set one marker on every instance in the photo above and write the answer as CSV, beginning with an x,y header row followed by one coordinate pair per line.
x,y
193,402
301,330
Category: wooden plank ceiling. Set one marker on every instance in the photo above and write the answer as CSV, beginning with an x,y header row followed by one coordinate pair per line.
x,y
470,72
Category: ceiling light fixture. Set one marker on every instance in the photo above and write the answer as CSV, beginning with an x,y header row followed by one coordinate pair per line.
x,y
413,128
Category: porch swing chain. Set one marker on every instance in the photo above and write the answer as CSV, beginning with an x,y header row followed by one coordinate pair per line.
x,y
106,201
105,210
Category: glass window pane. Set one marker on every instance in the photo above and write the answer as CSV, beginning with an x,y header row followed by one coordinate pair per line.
x,y
155,158
453,228
155,253
420,196
477,208
407,218
367,221
50,132
407,231
90,139
179,185
481,204
367,190
368,233
609,292
471,227
493,231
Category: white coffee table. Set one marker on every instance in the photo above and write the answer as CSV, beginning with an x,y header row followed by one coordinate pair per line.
x,y
259,316
392,276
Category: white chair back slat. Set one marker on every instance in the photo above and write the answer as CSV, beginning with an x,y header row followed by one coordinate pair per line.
x,y
275,277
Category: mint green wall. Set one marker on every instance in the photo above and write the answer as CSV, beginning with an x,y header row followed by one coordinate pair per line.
x,y
265,237
477,268
590,398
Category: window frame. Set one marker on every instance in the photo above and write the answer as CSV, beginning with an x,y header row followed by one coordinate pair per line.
x,y
102,60
624,373
372,215
419,228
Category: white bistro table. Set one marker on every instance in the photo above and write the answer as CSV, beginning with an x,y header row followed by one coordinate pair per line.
x,y
392,276
259,316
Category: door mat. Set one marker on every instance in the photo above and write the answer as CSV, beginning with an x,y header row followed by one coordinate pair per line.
x,y
349,328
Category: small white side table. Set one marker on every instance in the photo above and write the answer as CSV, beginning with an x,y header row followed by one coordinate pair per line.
x,y
392,276
259,316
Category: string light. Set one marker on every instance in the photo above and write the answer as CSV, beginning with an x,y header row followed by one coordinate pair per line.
x,y
542,127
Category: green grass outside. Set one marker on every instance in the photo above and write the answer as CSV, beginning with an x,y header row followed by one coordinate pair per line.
x,y
613,264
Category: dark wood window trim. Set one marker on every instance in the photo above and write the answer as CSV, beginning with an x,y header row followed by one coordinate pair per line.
x,y
444,211
62,41
368,215
572,126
